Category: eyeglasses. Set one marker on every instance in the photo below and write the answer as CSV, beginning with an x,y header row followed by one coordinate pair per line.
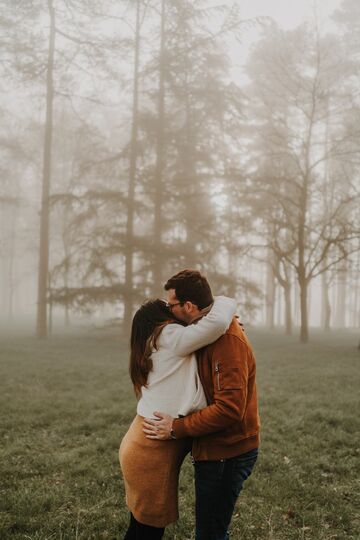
x,y
170,306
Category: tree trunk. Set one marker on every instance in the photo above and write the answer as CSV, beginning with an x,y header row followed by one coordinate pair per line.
x,y
50,324
302,237
270,294
296,303
325,299
192,203
66,285
284,280
288,317
278,302
46,179
325,304
341,296
159,167
11,284
129,242
304,328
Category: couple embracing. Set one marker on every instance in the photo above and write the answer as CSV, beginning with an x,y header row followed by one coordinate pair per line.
x,y
193,371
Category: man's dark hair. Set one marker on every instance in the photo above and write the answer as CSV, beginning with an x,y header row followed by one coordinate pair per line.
x,y
191,286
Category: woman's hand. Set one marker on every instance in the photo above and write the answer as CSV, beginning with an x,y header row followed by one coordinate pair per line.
x,y
158,429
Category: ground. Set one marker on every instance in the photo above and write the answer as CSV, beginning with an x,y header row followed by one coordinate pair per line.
x,y
65,404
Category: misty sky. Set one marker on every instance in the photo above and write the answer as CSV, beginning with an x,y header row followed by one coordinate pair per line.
x,y
289,13
286,13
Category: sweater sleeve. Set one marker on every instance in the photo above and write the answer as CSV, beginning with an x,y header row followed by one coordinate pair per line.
x,y
230,379
184,340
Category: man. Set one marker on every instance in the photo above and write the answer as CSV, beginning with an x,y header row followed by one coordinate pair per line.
x,y
226,432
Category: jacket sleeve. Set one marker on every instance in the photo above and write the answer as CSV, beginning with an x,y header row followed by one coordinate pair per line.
x,y
184,340
230,367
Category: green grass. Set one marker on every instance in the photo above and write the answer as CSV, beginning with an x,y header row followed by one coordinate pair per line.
x,y
65,404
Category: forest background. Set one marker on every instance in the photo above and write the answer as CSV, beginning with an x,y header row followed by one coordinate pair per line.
x,y
138,138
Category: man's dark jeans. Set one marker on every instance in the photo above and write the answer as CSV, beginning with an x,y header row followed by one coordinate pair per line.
x,y
217,486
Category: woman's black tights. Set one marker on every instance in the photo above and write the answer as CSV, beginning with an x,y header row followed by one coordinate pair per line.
x,y
139,531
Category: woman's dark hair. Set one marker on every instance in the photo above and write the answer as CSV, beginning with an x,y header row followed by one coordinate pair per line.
x,y
147,324
191,286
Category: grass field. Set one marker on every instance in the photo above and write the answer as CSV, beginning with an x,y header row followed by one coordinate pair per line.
x,y
65,404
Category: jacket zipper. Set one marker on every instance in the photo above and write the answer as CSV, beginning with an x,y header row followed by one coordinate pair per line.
x,y
217,371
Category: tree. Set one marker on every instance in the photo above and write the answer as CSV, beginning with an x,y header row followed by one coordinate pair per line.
x,y
28,57
181,108
295,77
129,242
41,325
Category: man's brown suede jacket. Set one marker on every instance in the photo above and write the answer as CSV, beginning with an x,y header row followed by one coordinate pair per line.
x,y
229,425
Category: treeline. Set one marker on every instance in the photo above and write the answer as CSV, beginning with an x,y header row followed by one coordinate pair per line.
x,y
145,155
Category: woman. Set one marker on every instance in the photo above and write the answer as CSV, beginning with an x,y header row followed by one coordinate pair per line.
x,y
164,374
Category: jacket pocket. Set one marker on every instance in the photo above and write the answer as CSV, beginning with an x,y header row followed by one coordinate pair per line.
x,y
228,377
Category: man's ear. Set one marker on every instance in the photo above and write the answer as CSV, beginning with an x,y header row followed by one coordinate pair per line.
x,y
192,308
189,306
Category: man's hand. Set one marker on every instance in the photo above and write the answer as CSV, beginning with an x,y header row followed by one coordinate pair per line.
x,y
158,429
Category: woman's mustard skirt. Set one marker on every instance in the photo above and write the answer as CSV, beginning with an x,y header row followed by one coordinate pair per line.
x,y
151,473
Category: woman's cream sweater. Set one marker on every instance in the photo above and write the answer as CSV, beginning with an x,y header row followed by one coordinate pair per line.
x,y
174,386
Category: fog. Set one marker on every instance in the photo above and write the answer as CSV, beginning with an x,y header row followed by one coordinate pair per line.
x,y
140,137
